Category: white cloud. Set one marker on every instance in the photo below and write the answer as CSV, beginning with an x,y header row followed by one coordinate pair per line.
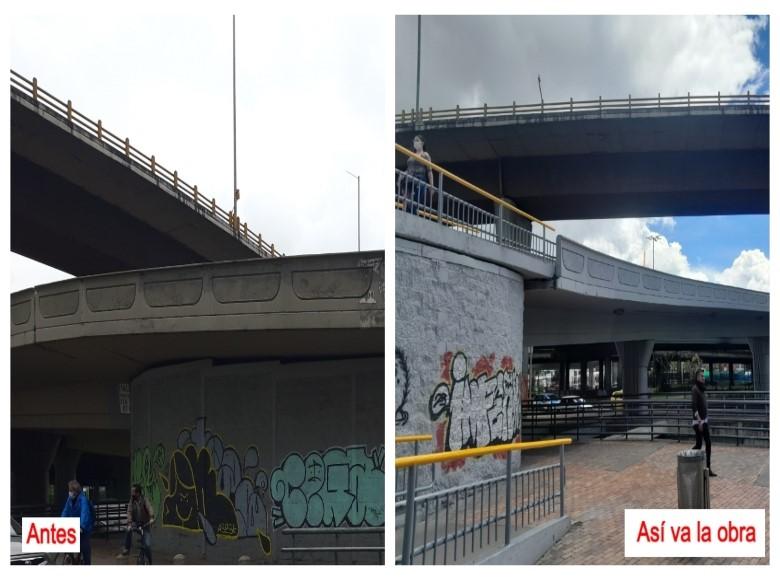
x,y
627,239
749,270
496,59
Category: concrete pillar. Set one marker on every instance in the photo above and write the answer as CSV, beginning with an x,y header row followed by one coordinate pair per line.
x,y
634,358
731,374
32,453
608,375
563,382
759,346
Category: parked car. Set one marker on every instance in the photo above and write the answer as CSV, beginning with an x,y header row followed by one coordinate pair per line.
x,y
575,401
24,558
546,399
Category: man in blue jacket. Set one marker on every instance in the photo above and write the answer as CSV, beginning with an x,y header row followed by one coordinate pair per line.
x,y
77,506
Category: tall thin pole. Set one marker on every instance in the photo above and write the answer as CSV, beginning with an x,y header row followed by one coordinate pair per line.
x,y
235,170
358,205
419,37
358,213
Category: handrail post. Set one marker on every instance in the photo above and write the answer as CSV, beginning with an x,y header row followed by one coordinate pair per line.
x,y
508,502
514,109
629,105
153,164
440,199
689,102
195,195
70,111
35,89
176,180
406,555
719,108
600,107
403,116
500,225
484,110
748,96
659,101
571,105
562,481
430,113
127,146
100,130
457,112
213,206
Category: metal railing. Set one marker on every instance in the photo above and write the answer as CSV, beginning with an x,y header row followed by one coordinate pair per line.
x,y
110,515
433,203
336,548
468,518
400,481
186,193
687,103
735,421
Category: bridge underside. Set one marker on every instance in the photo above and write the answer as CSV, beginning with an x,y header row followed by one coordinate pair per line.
x,y
629,165
79,207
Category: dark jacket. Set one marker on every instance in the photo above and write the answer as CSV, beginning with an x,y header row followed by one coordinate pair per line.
x,y
698,403
79,508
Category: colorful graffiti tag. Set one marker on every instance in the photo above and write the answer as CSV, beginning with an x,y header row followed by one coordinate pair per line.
x,y
337,487
480,405
210,489
145,469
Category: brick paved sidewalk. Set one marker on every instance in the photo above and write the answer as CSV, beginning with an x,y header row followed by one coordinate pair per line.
x,y
606,477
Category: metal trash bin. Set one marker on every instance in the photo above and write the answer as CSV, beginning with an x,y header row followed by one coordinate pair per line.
x,y
693,482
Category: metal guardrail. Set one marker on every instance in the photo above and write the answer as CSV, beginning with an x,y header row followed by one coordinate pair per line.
x,y
334,549
631,104
734,421
528,497
400,481
187,193
110,516
433,203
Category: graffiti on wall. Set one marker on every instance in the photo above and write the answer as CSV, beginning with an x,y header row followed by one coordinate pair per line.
x,y
401,387
478,405
212,490
337,487
145,468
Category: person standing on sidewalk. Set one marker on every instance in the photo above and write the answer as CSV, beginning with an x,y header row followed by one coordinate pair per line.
x,y
701,426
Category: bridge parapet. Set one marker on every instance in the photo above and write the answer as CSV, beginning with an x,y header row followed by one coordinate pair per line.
x,y
325,291
586,271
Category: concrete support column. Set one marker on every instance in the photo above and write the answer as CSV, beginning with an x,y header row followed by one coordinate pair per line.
x,y
731,374
563,383
32,453
759,346
608,375
634,358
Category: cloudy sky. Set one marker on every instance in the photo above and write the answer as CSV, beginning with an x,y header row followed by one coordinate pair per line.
x,y
311,105
472,60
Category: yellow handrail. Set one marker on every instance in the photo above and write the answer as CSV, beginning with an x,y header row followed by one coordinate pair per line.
x,y
469,185
413,438
425,459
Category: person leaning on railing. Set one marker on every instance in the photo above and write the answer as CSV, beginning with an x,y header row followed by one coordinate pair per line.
x,y
415,189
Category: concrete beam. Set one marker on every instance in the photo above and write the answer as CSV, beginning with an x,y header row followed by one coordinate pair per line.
x,y
80,206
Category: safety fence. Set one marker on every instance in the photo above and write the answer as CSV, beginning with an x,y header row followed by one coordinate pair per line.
x,y
400,480
95,131
110,515
433,203
373,540
731,420
459,524
680,104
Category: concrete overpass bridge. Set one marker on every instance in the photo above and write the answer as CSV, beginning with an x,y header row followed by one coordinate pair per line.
x,y
135,367
475,288
86,201
635,157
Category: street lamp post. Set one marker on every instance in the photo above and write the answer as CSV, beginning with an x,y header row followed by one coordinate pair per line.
x,y
655,238
358,207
